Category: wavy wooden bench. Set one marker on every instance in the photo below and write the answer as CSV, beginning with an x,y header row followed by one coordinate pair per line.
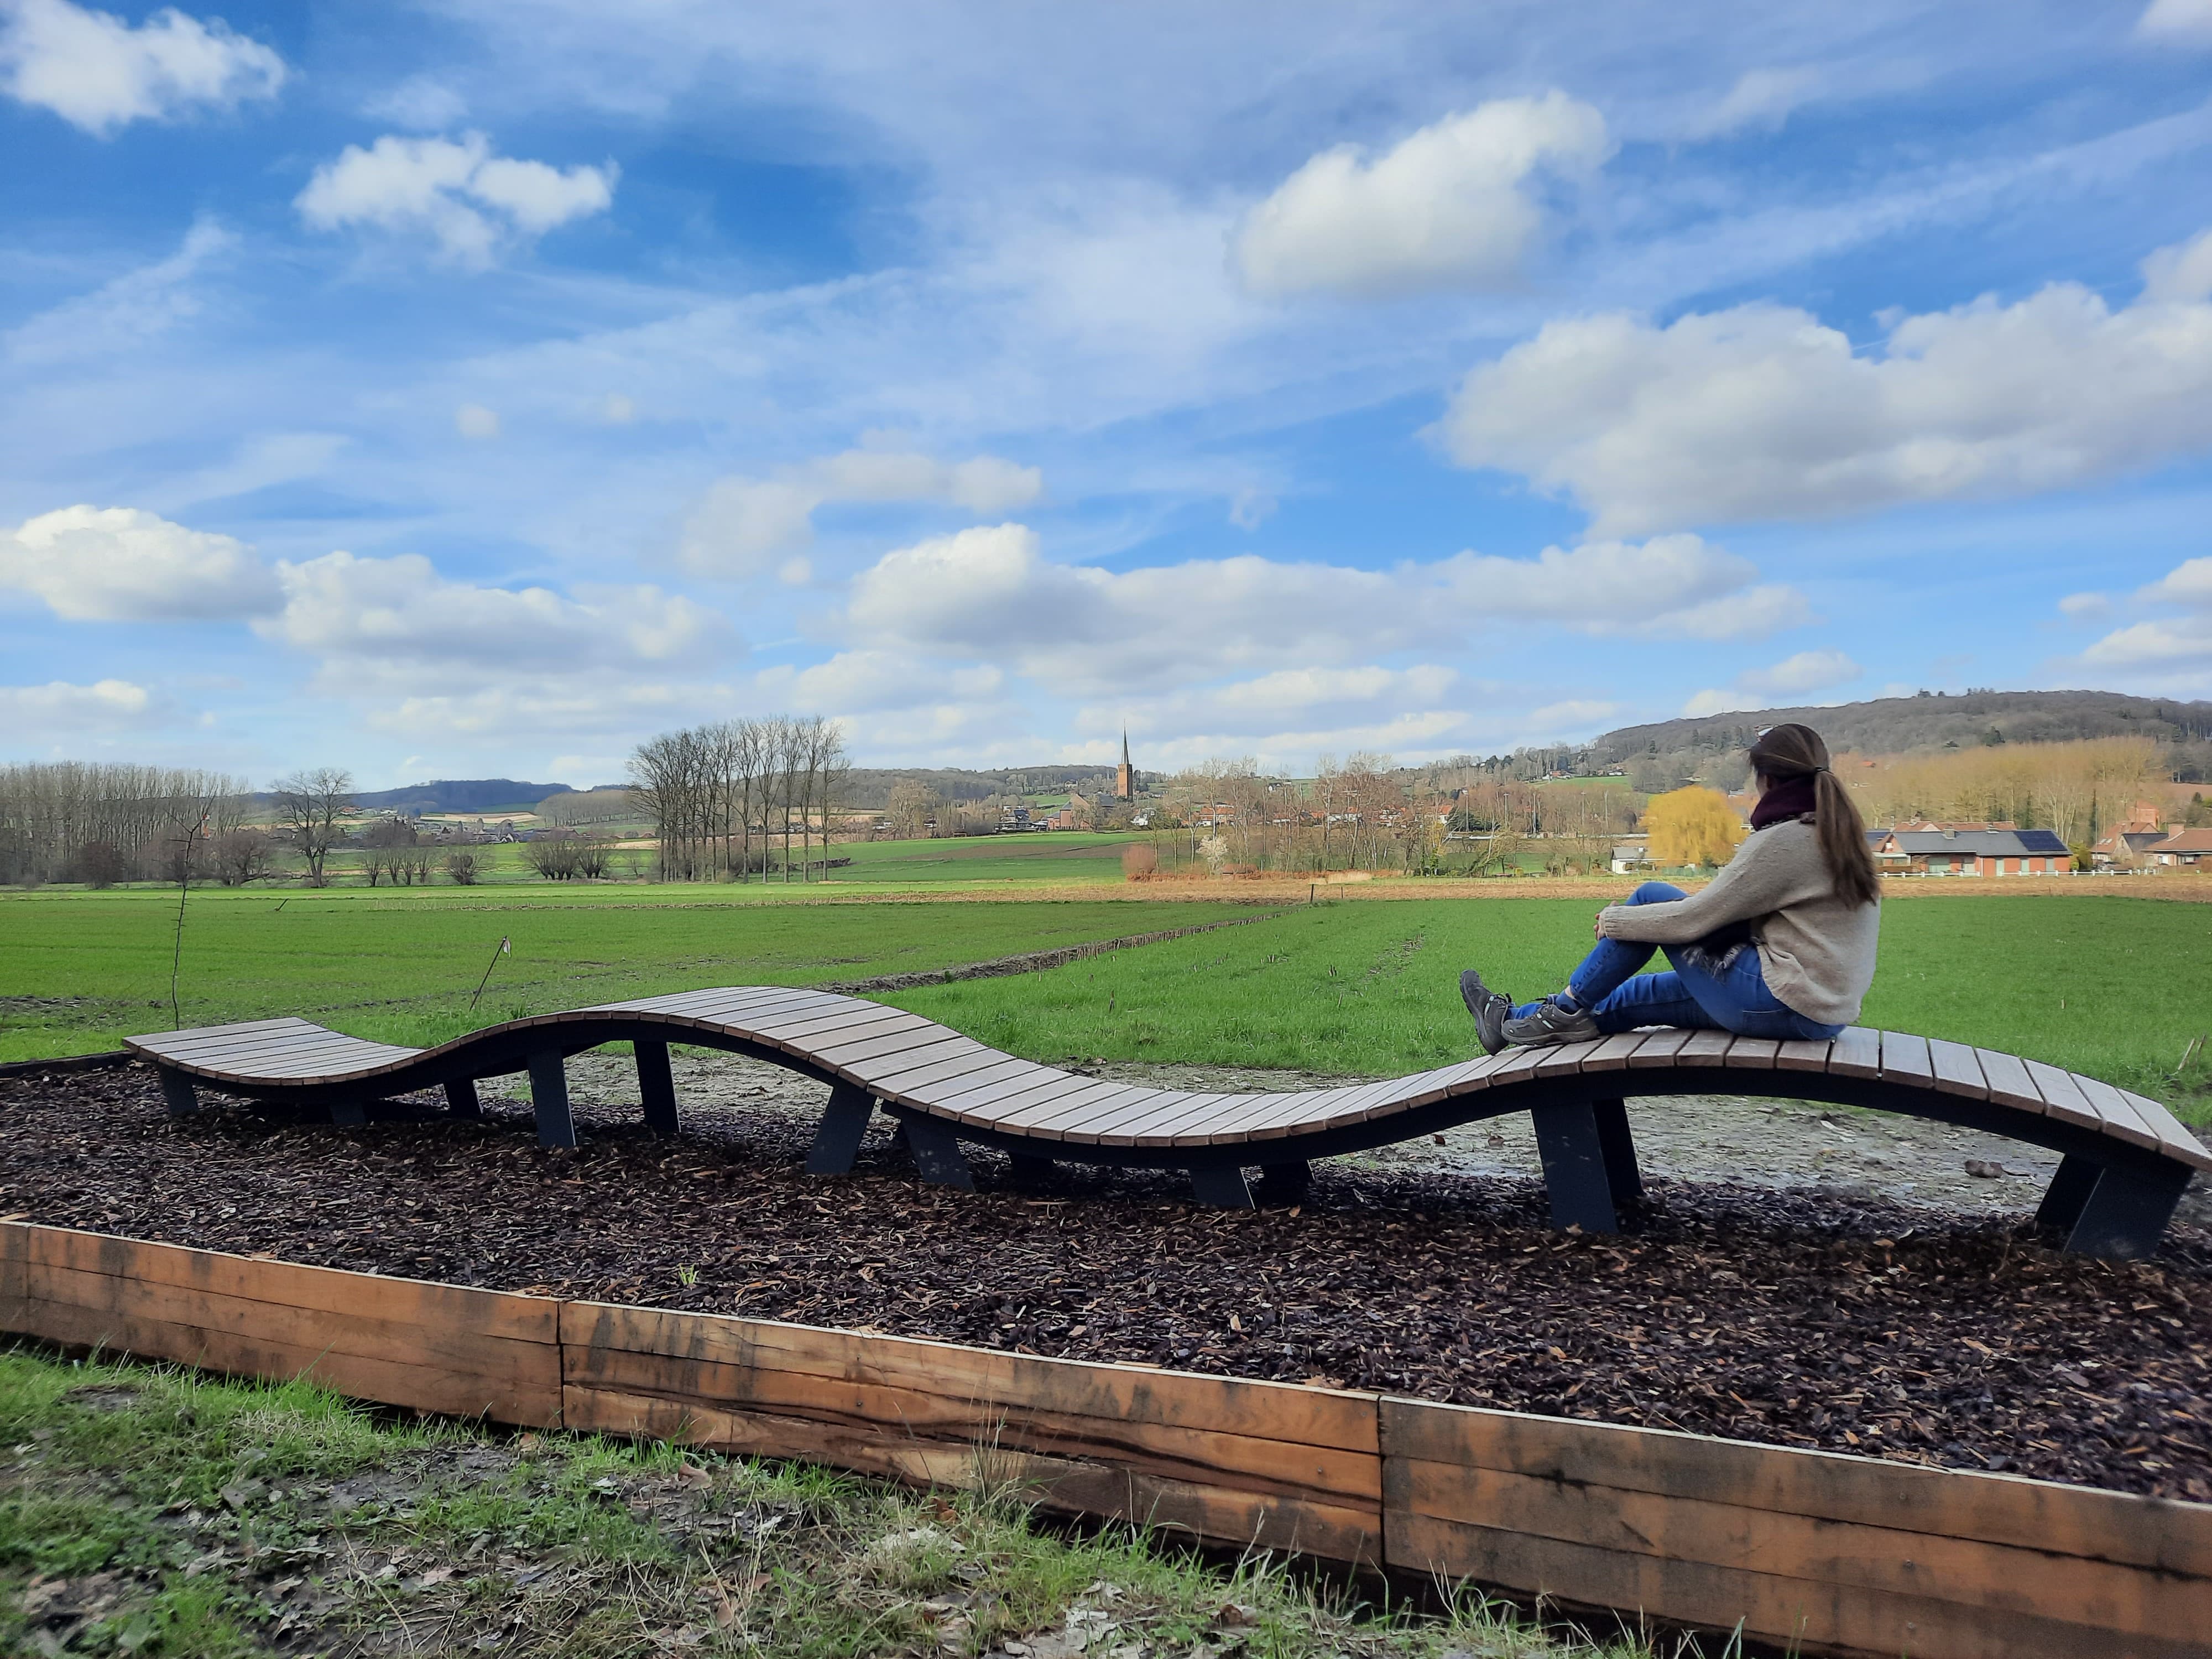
x,y
2124,1158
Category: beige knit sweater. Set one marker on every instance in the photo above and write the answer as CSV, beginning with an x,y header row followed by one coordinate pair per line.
x,y
1816,953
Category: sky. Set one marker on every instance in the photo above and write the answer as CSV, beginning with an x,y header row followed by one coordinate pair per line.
x,y
480,388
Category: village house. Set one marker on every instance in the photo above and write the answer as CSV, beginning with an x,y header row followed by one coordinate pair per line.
x,y
2126,849
1973,852
2190,849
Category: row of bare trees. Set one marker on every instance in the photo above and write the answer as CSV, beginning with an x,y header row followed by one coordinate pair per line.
x,y
103,823
2079,789
722,797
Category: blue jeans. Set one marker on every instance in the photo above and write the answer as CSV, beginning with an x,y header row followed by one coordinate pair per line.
x,y
1726,992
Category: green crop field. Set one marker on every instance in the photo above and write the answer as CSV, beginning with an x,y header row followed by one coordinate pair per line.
x,y
79,970
2114,987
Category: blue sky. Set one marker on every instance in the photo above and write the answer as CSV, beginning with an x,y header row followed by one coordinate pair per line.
x,y
479,388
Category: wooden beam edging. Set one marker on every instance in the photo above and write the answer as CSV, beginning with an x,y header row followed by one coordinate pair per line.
x,y
1838,1554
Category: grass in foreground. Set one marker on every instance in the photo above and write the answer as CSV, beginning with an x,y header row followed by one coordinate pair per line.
x,y
80,971
2114,987
154,1512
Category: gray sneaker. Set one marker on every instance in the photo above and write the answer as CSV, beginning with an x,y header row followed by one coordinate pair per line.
x,y
1548,1022
1490,1011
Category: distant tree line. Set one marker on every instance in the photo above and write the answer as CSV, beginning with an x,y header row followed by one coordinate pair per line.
x,y
105,822
726,799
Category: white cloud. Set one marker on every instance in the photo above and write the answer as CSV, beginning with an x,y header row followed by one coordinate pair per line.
x,y
2176,20
98,73
375,624
122,315
1679,586
475,421
615,409
2083,606
2182,274
471,201
860,682
1762,687
1760,98
988,594
2188,583
420,103
121,564
1761,412
33,713
1447,208
741,525
2176,651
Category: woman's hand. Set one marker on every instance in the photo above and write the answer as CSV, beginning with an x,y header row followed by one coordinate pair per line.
x,y
1597,929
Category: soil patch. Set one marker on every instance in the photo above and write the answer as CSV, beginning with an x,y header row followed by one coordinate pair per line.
x,y
1765,1294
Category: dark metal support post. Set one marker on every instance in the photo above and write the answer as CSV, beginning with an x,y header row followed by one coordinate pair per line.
x,y
844,1121
2126,1211
178,1090
657,1084
347,1113
937,1153
1222,1186
461,1097
1619,1145
2069,1191
1574,1168
549,1097
1030,1171
1285,1183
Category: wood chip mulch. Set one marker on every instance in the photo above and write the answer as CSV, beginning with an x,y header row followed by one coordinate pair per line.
x,y
1801,1319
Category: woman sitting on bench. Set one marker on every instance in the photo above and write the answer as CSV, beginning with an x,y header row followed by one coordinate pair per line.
x,y
1780,943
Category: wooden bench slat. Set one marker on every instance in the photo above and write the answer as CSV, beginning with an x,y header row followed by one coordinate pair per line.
x,y
1142,1105
1799,1055
2062,1099
2009,1083
1081,1122
1905,1059
1612,1054
1706,1047
1047,1104
1857,1052
1659,1048
2173,1135
2121,1118
1957,1071
1753,1054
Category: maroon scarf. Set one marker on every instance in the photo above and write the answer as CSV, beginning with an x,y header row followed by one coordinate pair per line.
x,y
1790,797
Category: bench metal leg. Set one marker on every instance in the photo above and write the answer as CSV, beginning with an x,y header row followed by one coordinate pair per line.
x,y
657,1084
461,1097
1030,1171
549,1097
1619,1146
837,1140
2069,1191
937,1154
1285,1183
2125,1213
178,1090
1574,1168
350,1114
1221,1186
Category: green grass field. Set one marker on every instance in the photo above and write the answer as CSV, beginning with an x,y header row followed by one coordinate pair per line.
x,y
1060,858
79,970
2114,987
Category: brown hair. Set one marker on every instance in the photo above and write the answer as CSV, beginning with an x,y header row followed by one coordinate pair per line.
x,y
1796,751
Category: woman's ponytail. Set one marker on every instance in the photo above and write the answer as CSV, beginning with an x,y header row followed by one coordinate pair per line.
x,y
1796,751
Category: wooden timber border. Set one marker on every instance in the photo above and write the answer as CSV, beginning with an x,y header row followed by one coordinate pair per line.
x,y
1831,1554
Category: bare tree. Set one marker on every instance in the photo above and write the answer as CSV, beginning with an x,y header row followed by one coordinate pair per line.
x,y
308,805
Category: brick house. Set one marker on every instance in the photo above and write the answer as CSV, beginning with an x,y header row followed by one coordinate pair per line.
x,y
1975,852
2189,849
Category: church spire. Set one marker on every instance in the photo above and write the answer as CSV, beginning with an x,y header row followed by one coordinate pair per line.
x,y
1125,745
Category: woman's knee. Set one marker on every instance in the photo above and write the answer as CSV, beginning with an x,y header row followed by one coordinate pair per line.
x,y
1656,892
